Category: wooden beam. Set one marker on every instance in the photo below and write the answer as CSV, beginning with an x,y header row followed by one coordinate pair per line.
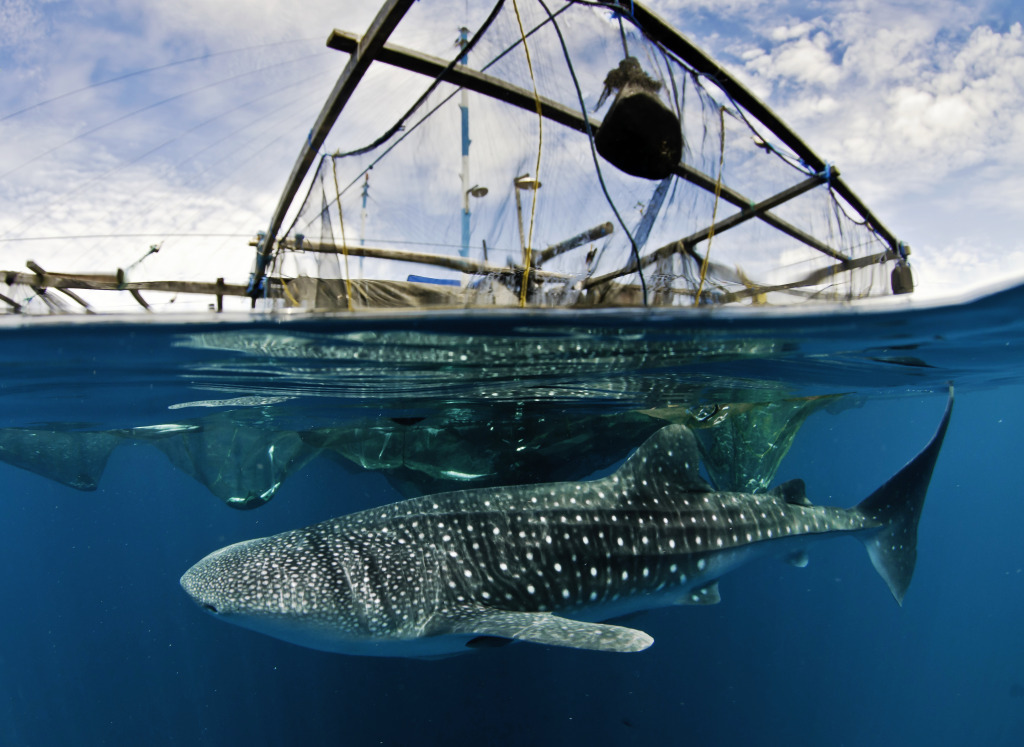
x,y
813,278
591,234
488,85
89,282
686,243
793,287
138,297
11,302
384,23
657,29
741,201
753,211
77,299
462,264
464,77
40,272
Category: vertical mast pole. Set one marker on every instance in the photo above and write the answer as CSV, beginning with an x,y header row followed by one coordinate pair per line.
x,y
362,220
464,107
362,215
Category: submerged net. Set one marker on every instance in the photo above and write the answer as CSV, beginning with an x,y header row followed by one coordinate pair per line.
x,y
563,154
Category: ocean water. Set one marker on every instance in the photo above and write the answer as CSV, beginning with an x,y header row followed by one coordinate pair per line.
x,y
100,646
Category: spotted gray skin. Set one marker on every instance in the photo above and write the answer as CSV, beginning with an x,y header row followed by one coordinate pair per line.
x,y
433,575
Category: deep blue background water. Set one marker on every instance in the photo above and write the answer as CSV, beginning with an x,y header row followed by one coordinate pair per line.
x,y
99,645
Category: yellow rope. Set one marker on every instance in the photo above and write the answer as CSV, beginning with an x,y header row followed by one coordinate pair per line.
x,y
344,243
284,286
288,293
536,172
714,210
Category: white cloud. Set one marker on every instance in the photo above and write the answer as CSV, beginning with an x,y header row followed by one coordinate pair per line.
x,y
908,104
920,104
19,22
802,61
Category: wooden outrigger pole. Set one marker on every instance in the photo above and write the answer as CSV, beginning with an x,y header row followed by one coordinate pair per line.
x,y
63,282
373,46
521,98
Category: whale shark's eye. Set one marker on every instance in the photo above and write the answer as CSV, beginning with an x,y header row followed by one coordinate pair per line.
x,y
210,608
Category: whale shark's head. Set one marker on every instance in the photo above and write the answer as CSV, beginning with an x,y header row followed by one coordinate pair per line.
x,y
278,586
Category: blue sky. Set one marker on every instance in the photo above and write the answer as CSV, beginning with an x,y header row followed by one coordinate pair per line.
x,y
920,104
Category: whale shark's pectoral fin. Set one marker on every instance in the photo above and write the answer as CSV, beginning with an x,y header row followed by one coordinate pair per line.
x,y
798,559
546,629
707,594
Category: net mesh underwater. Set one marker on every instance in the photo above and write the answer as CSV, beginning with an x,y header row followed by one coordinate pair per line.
x,y
568,155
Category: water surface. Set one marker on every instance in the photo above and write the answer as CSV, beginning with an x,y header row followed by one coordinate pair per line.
x,y
130,446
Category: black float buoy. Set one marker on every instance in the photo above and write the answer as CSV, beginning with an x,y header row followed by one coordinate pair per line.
x,y
902,278
640,135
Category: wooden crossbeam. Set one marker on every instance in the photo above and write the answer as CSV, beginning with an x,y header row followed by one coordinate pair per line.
x,y
663,33
65,282
462,264
591,234
488,85
688,242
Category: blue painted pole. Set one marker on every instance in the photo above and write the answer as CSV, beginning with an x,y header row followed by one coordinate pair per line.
x,y
464,106
362,227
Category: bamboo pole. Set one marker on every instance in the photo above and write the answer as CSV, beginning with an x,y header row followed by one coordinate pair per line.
x,y
11,302
489,85
663,33
591,234
686,244
462,264
814,278
793,287
62,282
40,272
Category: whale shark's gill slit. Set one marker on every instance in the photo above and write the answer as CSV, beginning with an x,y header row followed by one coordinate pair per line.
x,y
209,608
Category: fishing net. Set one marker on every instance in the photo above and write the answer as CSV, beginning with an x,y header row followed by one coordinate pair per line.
x,y
567,155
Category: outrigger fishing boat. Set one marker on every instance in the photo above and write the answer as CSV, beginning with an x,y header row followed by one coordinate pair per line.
x,y
611,163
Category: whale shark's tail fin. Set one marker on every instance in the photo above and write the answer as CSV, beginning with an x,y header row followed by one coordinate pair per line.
x,y
897,506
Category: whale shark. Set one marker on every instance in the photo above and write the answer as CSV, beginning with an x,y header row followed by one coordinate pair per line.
x,y
543,563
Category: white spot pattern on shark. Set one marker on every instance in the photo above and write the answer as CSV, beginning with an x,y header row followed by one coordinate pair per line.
x,y
426,576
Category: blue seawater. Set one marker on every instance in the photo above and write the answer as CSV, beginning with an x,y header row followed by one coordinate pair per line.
x,y
100,646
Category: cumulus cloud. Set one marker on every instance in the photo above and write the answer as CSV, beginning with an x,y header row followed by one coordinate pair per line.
x,y
892,90
920,104
19,22
800,59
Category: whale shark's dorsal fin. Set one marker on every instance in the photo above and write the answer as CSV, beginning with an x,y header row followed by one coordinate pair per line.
x,y
666,464
540,627
668,461
793,492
